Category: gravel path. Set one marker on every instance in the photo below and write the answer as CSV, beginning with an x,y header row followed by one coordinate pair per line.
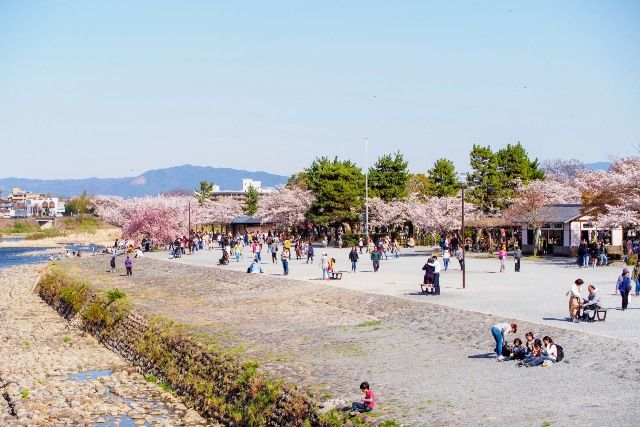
x,y
430,364
52,374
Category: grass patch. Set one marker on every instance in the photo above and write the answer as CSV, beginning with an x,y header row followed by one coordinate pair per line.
x,y
389,423
81,224
546,424
24,393
107,309
26,344
55,286
367,324
151,378
19,227
66,339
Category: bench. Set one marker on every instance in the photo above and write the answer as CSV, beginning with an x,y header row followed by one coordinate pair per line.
x,y
427,289
598,314
336,275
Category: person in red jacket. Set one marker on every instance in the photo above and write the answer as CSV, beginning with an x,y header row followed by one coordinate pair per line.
x,y
368,402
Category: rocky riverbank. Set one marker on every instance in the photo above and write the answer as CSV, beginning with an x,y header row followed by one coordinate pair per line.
x,y
51,373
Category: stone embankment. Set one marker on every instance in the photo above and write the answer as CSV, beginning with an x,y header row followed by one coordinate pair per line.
x,y
52,373
220,386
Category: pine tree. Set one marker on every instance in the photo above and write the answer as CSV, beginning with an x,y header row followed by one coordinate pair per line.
x,y
251,201
443,180
388,177
338,187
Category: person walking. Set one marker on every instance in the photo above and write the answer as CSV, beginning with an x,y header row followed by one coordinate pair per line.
x,y
112,264
635,277
284,258
309,253
274,252
502,256
375,259
499,332
624,286
128,264
324,264
575,299
360,244
353,257
446,256
460,257
517,255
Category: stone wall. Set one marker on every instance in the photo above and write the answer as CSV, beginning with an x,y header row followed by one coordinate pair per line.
x,y
219,386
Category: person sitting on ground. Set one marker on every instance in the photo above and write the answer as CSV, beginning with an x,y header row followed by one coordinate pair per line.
x,y
255,267
529,344
550,350
368,401
592,302
535,358
517,350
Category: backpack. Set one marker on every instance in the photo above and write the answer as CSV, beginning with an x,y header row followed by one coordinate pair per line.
x,y
560,352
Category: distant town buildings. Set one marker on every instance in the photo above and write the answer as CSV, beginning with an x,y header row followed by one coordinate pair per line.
x,y
247,183
25,204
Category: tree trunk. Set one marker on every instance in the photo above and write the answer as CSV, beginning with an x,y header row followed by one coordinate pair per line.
x,y
536,240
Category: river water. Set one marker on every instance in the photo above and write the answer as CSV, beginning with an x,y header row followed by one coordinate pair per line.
x,y
10,257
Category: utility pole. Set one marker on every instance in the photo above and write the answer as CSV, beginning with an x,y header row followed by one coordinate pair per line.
x,y
464,263
366,191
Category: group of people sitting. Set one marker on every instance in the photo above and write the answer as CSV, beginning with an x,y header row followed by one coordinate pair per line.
x,y
533,352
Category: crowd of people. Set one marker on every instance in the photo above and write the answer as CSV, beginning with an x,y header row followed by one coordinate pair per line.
x,y
531,352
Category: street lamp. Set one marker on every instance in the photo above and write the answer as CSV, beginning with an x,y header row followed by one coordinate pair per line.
x,y
463,185
366,191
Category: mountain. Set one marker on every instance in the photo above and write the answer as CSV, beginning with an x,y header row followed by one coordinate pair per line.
x,y
185,177
598,166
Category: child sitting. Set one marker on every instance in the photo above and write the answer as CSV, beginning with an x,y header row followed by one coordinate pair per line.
x,y
367,402
535,358
518,351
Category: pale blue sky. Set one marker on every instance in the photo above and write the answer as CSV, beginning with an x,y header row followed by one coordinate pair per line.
x,y
115,88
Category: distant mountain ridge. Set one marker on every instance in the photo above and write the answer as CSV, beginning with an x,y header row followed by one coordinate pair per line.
x,y
598,166
152,182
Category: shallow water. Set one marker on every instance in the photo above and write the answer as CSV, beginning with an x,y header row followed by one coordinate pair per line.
x,y
10,257
83,376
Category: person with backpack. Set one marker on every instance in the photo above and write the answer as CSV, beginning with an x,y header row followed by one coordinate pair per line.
x,y
552,351
309,253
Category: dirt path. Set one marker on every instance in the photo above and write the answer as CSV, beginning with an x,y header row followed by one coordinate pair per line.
x,y
53,374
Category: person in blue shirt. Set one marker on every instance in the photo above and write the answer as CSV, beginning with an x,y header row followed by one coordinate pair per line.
x,y
255,267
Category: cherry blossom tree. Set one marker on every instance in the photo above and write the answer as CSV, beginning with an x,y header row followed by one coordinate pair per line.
x,y
222,211
386,214
285,207
160,218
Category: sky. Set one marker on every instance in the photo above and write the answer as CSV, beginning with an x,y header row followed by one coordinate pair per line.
x,y
115,88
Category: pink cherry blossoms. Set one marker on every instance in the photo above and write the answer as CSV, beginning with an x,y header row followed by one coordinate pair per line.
x,y
285,207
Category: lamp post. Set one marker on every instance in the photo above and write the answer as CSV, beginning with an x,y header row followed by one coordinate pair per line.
x,y
189,229
463,185
366,191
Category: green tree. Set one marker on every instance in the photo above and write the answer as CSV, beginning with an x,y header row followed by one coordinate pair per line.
x,y
420,185
205,192
80,205
486,186
443,180
388,177
339,192
515,167
251,201
299,180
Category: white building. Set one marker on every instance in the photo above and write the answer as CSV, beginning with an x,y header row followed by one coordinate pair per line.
x,y
247,183
564,227
48,207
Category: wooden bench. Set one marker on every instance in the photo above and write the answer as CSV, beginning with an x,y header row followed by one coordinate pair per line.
x,y
335,275
598,314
